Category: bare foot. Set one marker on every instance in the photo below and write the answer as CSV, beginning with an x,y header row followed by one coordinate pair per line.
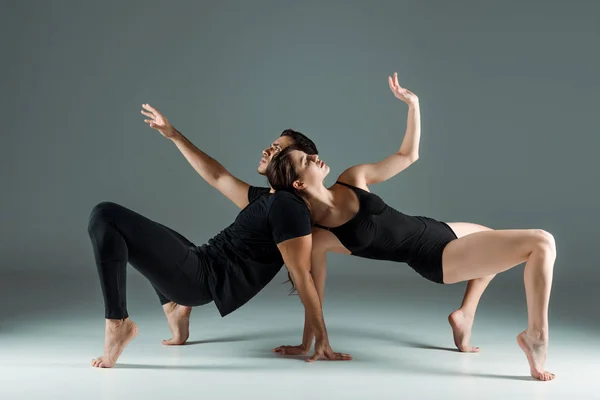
x,y
178,317
118,335
462,324
535,349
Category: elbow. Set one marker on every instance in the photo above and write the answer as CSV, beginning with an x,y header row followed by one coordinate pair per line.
x,y
216,178
411,157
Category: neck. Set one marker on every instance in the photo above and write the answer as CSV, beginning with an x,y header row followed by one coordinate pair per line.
x,y
320,200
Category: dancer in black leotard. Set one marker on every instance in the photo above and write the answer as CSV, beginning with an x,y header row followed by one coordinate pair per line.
x,y
379,232
349,219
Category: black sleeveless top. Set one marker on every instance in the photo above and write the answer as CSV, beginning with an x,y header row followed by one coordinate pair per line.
x,y
378,231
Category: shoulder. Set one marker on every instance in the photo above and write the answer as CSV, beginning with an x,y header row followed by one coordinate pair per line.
x,y
354,176
285,197
254,192
287,203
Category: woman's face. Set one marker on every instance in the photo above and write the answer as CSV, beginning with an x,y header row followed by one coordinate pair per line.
x,y
310,169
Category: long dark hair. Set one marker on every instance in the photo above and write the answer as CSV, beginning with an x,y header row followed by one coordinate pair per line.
x,y
282,174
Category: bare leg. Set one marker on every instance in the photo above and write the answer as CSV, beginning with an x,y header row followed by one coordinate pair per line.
x,y
485,253
461,320
178,317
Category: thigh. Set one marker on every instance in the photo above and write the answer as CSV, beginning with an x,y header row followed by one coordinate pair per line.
x,y
466,228
485,253
168,260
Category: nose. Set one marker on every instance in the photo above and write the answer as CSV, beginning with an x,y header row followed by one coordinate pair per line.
x,y
264,153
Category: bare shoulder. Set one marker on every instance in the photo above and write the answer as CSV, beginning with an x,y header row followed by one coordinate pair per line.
x,y
354,176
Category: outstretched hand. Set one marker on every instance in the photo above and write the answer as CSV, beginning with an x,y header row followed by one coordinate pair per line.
x,y
158,121
402,93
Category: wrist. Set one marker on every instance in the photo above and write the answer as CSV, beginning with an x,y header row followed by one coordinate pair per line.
x,y
175,135
321,339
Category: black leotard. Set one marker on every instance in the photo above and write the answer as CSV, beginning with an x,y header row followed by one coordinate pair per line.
x,y
379,232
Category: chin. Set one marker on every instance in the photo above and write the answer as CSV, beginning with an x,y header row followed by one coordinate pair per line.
x,y
262,170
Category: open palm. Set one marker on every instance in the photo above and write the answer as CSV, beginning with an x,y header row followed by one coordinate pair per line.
x,y
402,93
158,121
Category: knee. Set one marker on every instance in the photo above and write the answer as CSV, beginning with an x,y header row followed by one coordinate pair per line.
x,y
544,241
101,213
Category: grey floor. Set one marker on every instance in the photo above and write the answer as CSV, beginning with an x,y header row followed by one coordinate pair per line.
x,y
393,323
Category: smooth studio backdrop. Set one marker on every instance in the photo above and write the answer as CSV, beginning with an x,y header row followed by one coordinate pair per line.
x,y
509,102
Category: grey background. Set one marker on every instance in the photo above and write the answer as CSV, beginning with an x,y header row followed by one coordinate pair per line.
x,y
508,91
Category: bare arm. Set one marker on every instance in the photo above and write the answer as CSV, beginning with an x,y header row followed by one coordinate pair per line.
x,y
319,275
296,254
408,153
208,168
323,242
213,172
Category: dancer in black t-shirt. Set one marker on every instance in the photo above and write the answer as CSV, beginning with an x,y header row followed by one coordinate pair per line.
x,y
230,269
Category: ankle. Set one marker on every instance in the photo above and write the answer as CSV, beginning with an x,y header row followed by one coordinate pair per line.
x,y
537,335
116,323
467,312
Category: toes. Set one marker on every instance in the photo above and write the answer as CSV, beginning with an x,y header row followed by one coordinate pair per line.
x,y
468,349
173,342
548,376
544,375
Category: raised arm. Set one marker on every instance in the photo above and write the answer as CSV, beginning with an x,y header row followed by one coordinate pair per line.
x,y
366,174
207,167
296,254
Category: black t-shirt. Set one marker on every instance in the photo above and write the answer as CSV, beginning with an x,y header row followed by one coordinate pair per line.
x,y
244,258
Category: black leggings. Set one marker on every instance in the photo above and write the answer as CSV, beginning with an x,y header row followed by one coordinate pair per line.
x,y
171,263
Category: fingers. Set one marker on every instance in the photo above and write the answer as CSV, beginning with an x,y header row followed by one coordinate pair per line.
x,y
281,348
290,350
391,83
149,107
332,356
147,114
342,357
396,79
151,123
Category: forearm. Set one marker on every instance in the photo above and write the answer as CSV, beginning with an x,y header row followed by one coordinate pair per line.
x,y
312,306
207,167
412,137
307,335
318,274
